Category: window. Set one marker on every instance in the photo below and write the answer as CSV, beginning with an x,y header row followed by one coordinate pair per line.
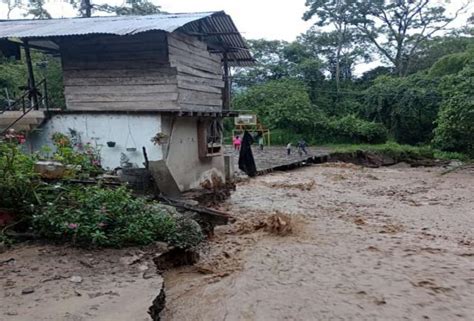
x,y
210,137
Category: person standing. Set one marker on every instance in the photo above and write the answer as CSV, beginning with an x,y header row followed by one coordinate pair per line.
x,y
246,160
288,149
302,147
260,141
236,141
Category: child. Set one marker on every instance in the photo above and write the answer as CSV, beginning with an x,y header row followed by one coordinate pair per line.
x,y
260,142
237,142
288,149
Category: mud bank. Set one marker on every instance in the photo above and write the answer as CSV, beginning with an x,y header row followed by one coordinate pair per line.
x,y
370,244
378,159
53,283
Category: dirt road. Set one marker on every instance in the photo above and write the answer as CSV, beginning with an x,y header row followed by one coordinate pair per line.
x,y
369,244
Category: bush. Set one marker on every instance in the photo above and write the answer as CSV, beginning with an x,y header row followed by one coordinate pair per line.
x,y
95,216
17,177
350,129
84,158
396,151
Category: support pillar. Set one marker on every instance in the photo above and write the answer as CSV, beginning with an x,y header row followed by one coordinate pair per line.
x,y
33,93
226,94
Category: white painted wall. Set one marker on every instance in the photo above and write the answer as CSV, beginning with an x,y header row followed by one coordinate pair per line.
x,y
126,130
183,160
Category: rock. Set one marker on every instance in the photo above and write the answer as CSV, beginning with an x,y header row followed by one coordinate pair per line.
x,y
388,161
401,165
75,279
143,268
149,274
11,313
27,290
129,260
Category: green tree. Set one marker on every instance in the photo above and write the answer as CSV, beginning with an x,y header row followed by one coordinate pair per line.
x,y
11,5
397,28
129,7
36,9
270,64
430,51
339,43
452,64
455,123
406,106
280,103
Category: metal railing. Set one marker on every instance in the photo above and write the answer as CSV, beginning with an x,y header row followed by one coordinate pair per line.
x,y
26,103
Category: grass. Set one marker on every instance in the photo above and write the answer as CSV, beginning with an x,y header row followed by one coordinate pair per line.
x,y
398,151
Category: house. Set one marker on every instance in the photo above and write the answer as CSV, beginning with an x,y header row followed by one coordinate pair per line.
x,y
128,79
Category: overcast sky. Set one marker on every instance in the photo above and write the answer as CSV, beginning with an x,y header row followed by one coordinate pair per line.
x,y
268,19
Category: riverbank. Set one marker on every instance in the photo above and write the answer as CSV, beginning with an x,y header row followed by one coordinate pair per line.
x,y
370,244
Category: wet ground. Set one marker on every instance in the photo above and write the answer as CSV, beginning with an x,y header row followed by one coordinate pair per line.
x,y
273,156
368,244
59,283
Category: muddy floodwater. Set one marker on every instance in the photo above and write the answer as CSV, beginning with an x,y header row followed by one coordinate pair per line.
x,y
368,244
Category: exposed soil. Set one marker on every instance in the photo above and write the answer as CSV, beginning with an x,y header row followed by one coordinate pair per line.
x,y
57,283
365,244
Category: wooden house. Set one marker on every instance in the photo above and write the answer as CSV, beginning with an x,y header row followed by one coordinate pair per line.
x,y
132,78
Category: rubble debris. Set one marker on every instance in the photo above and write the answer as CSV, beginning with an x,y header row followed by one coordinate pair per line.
x,y
302,186
75,279
279,224
27,290
130,260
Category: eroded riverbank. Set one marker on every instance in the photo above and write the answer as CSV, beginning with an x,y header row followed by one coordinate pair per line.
x,y
370,244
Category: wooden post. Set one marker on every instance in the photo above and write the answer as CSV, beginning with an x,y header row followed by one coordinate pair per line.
x,y
31,77
45,95
226,98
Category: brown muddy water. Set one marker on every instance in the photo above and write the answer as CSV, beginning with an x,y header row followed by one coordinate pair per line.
x,y
368,244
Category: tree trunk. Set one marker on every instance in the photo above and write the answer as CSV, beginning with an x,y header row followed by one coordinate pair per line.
x,y
338,67
86,8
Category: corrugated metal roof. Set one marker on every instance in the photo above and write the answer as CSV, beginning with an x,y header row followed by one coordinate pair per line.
x,y
213,27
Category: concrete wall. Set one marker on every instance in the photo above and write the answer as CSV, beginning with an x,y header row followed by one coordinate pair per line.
x,y
183,159
98,129
180,153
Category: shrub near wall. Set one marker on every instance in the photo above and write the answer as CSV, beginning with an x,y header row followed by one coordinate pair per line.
x,y
96,216
17,178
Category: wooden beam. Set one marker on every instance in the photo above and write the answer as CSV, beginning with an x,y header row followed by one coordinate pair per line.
x,y
226,90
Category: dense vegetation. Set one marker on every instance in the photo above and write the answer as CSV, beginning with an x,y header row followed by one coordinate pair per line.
x,y
423,95
83,215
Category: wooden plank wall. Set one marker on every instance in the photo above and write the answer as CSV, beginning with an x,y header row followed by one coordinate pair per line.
x,y
119,73
200,80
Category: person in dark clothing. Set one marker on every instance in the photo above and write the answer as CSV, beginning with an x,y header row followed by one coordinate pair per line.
x,y
246,160
302,147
